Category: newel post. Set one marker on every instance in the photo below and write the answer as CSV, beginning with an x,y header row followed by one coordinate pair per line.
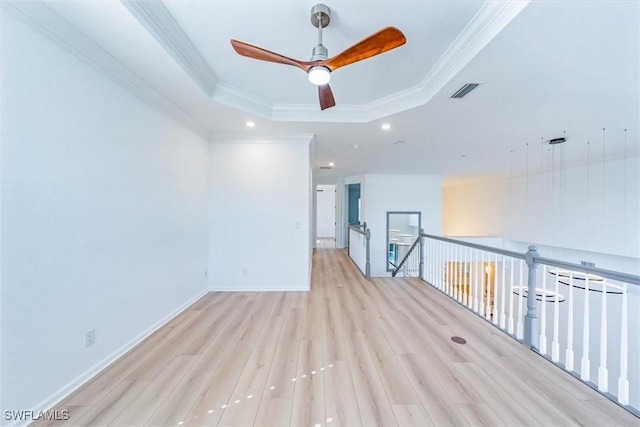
x,y
421,272
531,326
367,269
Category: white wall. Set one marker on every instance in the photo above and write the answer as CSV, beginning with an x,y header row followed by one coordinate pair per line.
x,y
326,211
260,213
382,193
104,218
582,215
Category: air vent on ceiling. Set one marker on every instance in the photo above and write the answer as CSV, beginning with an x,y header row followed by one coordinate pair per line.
x,y
326,167
464,90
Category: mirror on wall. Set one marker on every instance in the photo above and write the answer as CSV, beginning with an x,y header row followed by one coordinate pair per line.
x,y
403,229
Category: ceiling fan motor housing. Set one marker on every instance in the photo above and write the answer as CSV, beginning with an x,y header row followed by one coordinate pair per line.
x,y
319,52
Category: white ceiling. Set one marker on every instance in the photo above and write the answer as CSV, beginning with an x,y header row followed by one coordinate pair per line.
x,y
557,66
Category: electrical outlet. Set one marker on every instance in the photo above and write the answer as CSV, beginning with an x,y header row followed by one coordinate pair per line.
x,y
588,264
89,338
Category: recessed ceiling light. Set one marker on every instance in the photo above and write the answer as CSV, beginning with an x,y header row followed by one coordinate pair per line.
x,y
398,142
385,126
332,164
463,156
355,146
250,124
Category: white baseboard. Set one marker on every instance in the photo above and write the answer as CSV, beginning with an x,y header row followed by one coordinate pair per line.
x,y
262,289
57,397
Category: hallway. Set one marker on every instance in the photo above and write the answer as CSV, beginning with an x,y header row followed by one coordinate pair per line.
x,y
350,352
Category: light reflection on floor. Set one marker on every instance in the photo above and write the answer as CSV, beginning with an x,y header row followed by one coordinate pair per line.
x,y
237,401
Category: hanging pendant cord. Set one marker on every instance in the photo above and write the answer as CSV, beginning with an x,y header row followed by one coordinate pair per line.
x,y
588,185
603,186
526,202
624,198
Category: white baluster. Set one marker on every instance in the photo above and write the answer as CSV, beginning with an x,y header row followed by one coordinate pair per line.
x,y
623,381
412,266
510,319
543,312
503,295
569,356
519,326
425,274
429,264
603,373
585,363
433,263
459,274
467,278
440,265
416,256
462,294
474,279
555,344
437,265
496,296
456,268
481,276
490,287
452,279
460,278
447,267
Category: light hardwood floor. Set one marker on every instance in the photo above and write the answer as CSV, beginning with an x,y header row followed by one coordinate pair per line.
x,y
349,352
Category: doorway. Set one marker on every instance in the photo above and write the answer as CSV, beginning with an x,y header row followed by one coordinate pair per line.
x,y
326,212
353,204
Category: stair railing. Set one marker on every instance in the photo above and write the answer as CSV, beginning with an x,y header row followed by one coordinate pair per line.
x,y
411,264
359,248
574,315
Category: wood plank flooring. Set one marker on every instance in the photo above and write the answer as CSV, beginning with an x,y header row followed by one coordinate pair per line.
x,y
349,352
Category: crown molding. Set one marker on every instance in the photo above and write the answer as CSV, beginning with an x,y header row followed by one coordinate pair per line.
x,y
41,18
236,98
162,26
158,21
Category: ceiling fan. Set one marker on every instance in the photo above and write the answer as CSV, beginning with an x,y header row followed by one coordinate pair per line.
x,y
320,66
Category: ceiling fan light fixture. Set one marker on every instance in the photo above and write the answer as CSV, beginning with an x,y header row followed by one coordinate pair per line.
x,y
319,75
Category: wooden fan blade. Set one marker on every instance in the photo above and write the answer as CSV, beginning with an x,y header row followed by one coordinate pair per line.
x,y
386,39
255,52
326,97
